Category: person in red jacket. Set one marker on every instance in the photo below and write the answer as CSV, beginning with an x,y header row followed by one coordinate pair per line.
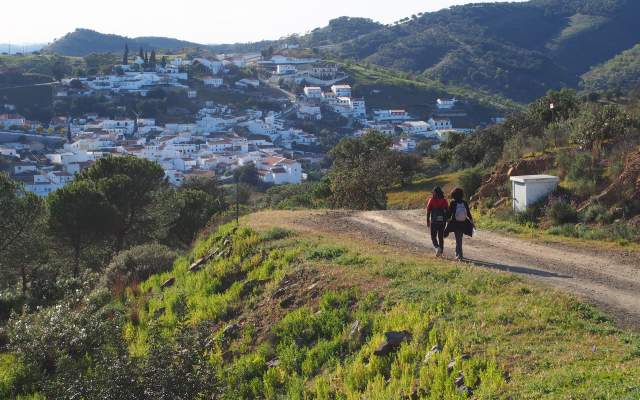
x,y
437,209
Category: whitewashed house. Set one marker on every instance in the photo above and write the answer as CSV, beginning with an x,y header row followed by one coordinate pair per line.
x,y
446,104
441,124
42,185
60,177
324,71
313,92
286,69
118,126
8,151
11,120
391,115
214,66
308,111
279,170
341,90
382,127
417,128
211,81
404,144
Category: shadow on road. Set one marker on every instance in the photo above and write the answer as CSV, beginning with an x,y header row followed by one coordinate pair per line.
x,y
518,270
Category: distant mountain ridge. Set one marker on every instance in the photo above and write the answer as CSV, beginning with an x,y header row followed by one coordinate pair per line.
x,y
82,42
517,50
12,48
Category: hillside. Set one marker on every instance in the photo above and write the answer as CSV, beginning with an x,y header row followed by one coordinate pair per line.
x,y
82,42
618,74
384,88
520,50
320,310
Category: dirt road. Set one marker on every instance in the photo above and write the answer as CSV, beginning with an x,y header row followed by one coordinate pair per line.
x,y
608,279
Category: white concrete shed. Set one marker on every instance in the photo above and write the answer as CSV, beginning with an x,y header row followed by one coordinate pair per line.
x,y
528,189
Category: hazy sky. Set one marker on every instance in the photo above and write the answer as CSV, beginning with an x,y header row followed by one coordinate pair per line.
x,y
212,21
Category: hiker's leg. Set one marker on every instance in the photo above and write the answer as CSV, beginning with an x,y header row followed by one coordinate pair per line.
x,y
434,235
459,236
440,250
441,236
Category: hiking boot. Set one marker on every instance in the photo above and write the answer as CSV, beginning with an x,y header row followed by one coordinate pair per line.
x,y
439,252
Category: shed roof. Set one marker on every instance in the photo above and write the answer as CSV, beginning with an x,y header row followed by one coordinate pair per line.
x,y
535,178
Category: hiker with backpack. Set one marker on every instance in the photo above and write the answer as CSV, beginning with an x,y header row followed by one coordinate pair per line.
x,y
460,220
437,208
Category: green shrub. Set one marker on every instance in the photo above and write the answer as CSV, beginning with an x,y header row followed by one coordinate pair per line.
x,y
9,301
137,264
582,168
275,234
470,180
326,253
585,187
531,215
561,212
598,213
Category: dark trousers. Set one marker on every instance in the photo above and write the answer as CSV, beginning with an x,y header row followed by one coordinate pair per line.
x,y
459,235
437,234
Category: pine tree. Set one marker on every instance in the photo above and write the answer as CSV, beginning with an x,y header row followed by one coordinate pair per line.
x,y
152,60
146,58
163,62
125,57
141,53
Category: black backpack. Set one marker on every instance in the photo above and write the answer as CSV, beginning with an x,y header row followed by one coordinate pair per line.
x,y
439,215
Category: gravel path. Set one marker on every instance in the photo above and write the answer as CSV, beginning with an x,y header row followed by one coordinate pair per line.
x,y
608,279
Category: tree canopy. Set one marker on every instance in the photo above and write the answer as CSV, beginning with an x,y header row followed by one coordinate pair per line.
x,y
364,170
128,184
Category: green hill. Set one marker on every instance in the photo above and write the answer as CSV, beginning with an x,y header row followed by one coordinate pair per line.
x,y
82,42
385,88
620,73
520,50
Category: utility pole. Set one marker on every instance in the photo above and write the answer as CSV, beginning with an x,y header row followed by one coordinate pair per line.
x,y
237,200
552,107
237,176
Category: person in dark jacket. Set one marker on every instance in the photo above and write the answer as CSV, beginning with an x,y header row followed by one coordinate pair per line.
x,y
460,220
437,212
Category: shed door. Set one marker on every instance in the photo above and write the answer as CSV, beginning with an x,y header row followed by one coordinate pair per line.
x,y
519,196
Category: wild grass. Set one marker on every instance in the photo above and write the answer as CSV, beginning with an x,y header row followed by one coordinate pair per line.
x,y
613,236
491,325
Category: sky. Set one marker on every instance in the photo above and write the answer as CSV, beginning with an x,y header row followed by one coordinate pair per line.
x,y
204,21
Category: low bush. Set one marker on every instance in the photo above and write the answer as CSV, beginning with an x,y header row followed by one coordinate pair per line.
x,y
531,215
137,264
275,234
326,253
9,302
560,211
599,214
470,180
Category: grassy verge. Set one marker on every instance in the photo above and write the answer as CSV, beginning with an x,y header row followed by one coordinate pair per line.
x,y
414,195
574,234
308,311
